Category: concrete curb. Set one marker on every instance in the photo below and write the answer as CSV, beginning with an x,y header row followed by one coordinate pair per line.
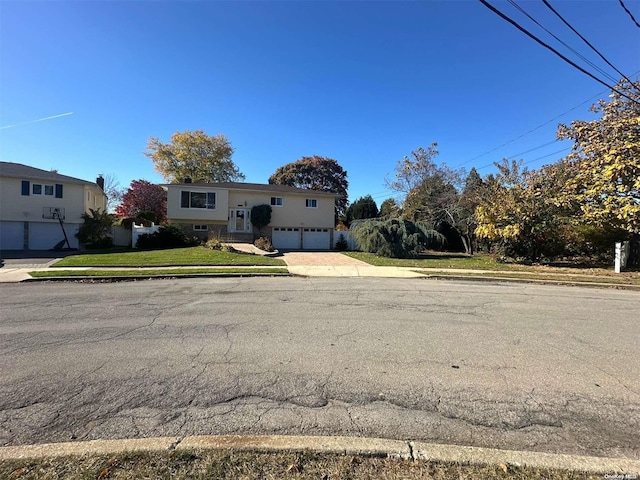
x,y
115,278
358,446
497,279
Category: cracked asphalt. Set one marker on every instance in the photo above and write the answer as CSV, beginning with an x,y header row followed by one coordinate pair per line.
x,y
515,366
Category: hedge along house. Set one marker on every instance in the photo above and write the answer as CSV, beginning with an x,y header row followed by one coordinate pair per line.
x,y
300,218
38,208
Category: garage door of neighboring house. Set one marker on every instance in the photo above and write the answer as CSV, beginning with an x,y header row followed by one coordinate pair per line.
x,y
316,239
11,235
286,238
45,236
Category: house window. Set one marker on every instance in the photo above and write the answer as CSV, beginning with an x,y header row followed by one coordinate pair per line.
x,y
311,203
197,199
277,201
200,228
39,189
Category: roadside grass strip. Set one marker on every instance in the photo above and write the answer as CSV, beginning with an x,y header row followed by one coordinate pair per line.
x,y
228,464
165,258
535,276
163,272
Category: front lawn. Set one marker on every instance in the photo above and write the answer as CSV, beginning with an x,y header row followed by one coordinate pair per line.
x,y
486,262
165,258
438,260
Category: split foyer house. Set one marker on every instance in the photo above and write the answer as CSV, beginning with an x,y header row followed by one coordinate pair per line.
x,y
300,218
39,207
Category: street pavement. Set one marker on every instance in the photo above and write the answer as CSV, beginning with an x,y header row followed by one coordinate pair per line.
x,y
527,367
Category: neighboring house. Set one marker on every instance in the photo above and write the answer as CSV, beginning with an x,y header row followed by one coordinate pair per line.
x,y
33,201
300,219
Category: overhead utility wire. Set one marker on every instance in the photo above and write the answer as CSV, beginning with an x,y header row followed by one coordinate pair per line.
x,y
529,161
533,37
584,59
630,14
548,5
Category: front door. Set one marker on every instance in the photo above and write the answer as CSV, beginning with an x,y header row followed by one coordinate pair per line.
x,y
239,220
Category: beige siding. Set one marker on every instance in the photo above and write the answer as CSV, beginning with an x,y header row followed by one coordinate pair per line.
x,y
293,212
17,207
196,215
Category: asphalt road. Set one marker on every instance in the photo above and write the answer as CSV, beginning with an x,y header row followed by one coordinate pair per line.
x,y
513,366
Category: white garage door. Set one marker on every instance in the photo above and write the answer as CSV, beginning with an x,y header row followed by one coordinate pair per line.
x,y
11,235
45,236
286,238
316,239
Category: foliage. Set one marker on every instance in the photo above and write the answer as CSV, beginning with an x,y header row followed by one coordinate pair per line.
x,y
195,155
342,244
396,237
389,208
213,242
264,244
95,231
144,200
261,216
606,161
437,194
363,208
315,173
521,212
112,190
168,236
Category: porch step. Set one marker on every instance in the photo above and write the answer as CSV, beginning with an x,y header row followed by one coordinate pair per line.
x,y
237,238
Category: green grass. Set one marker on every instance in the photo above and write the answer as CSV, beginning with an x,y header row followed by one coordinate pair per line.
x,y
156,272
165,258
617,280
438,260
212,464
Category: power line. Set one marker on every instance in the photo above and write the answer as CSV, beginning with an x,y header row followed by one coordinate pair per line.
x,y
548,5
533,37
530,161
630,14
585,59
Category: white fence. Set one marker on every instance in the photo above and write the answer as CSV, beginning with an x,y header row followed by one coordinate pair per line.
x,y
351,243
137,230
121,236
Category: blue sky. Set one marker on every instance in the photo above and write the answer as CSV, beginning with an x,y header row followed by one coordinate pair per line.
x,y
362,82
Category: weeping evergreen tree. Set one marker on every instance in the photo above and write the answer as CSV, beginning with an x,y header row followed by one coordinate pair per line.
x,y
395,237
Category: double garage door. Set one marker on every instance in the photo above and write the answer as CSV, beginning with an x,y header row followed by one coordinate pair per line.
x,y
305,238
41,235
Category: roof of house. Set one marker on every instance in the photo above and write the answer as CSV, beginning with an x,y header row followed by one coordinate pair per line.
x,y
255,187
17,170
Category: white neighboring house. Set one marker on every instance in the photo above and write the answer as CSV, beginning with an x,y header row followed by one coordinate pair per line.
x,y
33,201
300,218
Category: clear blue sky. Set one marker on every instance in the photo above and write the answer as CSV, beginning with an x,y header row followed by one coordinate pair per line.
x,y
362,82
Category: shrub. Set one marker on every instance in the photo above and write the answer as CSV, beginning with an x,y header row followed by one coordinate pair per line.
x,y
342,244
95,232
261,216
229,249
168,236
263,243
395,237
213,241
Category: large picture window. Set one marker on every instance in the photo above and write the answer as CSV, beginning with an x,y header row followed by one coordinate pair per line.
x,y
198,200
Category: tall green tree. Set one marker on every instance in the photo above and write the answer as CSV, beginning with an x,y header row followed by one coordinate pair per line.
x,y
315,173
389,208
364,207
606,162
521,212
194,155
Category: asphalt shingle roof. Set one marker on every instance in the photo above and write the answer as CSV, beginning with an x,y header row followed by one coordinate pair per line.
x,y
257,187
18,170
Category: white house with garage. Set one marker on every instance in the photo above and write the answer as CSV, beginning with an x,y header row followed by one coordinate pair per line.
x,y
39,208
300,218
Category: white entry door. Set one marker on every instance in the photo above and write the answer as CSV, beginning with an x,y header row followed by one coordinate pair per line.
x,y
239,220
